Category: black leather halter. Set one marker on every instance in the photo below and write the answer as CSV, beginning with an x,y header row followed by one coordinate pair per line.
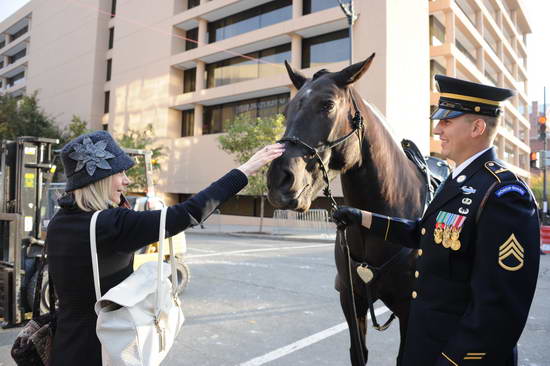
x,y
357,127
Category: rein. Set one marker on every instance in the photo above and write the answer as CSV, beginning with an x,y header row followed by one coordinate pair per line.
x,y
357,124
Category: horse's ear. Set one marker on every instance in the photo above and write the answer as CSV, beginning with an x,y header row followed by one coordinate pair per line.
x,y
353,72
295,76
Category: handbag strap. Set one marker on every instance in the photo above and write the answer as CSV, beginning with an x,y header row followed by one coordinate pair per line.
x,y
38,288
162,234
93,250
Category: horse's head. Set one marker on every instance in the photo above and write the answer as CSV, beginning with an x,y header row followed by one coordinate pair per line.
x,y
320,113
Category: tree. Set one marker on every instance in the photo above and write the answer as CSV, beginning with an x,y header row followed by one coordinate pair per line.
x,y
134,139
76,127
24,117
244,137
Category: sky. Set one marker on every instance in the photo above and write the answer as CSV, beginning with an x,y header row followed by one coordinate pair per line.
x,y
538,43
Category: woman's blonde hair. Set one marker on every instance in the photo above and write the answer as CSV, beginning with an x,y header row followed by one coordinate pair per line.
x,y
94,196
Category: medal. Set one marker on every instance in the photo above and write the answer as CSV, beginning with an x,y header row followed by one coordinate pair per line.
x,y
455,232
447,230
439,225
455,245
438,235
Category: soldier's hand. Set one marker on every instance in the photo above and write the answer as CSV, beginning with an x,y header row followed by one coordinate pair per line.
x,y
345,216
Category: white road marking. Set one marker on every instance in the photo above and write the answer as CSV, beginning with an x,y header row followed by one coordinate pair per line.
x,y
304,342
201,250
228,263
257,250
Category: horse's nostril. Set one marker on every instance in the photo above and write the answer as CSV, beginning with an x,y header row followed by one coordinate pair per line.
x,y
287,179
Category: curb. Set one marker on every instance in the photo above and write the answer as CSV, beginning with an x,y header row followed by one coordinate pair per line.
x,y
290,237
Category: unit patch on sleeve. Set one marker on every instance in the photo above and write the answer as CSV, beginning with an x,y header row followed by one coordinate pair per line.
x,y
511,254
510,188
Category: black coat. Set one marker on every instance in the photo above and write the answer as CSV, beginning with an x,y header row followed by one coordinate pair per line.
x,y
120,232
472,295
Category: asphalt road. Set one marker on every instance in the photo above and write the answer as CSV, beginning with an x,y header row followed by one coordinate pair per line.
x,y
255,302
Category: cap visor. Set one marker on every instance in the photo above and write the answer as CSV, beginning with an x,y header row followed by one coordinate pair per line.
x,y
441,113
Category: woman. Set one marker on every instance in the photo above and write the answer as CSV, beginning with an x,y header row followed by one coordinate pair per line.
x,y
95,168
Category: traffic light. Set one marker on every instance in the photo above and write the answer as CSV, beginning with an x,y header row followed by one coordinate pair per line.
x,y
542,128
534,159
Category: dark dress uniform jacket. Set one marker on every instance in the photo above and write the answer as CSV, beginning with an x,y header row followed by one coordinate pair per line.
x,y
120,232
470,304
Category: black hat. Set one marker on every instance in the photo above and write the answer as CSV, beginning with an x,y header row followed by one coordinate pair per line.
x,y
458,97
92,157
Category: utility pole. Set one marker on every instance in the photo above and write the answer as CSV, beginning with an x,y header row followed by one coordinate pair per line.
x,y
352,17
544,197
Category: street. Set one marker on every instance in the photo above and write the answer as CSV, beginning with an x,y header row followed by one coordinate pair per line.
x,y
256,302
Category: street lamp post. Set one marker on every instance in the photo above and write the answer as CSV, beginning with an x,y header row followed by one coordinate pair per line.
x,y
352,16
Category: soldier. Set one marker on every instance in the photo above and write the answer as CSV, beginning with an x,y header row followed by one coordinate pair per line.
x,y
478,241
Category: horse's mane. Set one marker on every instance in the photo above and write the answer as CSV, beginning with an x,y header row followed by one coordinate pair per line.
x,y
390,161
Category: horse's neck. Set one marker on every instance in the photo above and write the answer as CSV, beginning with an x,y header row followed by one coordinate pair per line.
x,y
384,181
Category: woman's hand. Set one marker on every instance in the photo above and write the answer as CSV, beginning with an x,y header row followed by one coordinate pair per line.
x,y
261,158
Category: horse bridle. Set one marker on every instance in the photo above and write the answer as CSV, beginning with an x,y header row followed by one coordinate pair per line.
x,y
357,126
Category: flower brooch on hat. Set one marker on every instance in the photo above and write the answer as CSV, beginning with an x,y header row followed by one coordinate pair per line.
x,y
91,156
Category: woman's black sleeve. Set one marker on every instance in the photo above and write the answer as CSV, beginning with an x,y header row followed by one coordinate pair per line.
x,y
127,230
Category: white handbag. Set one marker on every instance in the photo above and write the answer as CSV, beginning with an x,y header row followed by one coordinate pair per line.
x,y
139,319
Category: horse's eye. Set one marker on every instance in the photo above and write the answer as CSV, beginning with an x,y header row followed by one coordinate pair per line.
x,y
327,106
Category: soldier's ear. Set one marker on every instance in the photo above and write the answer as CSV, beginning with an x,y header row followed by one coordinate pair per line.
x,y
479,126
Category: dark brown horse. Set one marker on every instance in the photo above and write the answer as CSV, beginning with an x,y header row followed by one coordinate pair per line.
x,y
375,174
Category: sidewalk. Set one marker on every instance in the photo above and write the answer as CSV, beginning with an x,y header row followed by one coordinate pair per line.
x,y
306,235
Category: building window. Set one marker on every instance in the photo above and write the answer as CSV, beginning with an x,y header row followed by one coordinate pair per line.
x,y
111,37
437,32
218,117
311,6
106,104
19,33
17,79
253,66
109,68
17,56
193,3
2,44
192,36
113,8
462,48
187,123
435,68
249,20
320,50
189,79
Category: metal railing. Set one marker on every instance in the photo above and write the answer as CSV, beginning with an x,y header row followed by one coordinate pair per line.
x,y
314,220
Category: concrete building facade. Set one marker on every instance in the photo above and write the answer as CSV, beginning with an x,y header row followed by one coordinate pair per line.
x,y
485,41
189,66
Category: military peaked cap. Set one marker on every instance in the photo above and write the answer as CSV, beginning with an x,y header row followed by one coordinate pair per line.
x,y
458,97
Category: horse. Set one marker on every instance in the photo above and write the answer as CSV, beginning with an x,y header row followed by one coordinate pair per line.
x,y
322,141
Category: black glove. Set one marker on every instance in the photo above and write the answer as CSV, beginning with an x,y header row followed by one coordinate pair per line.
x,y
345,216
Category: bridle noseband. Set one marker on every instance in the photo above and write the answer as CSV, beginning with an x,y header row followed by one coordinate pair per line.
x,y
357,126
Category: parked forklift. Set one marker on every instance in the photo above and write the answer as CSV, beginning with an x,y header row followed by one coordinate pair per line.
x,y
26,167
28,200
